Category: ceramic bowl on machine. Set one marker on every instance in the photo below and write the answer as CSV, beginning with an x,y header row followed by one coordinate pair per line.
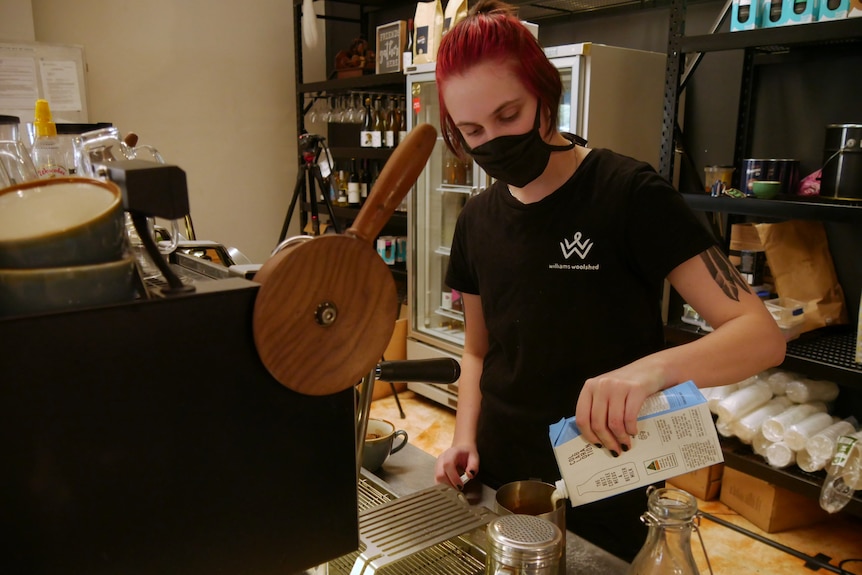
x,y
61,222
27,291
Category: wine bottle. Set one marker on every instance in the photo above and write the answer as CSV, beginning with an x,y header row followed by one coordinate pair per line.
x,y
390,128
353,189
366,135
402,120
407,56
364,181
341,199
379,123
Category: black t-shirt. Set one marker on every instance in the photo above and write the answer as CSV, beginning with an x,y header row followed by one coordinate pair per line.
x,y
571,288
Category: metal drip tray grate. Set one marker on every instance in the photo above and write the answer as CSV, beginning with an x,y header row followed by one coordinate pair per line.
x,y
428,532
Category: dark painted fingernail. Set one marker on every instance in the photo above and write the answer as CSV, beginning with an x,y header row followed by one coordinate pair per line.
x,y
472,473
598,445
614,453
625,447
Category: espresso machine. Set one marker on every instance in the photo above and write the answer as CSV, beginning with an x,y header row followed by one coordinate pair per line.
x,y
147,437
167,435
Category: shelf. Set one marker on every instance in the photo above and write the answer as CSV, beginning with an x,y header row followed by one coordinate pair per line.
x,y
360,153
770,39
395,80
741,457
450,313
826,353
397,219
824,209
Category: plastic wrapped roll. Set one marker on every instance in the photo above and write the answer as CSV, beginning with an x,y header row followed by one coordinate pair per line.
x,y
821,445
724,428
806,390
806,462
779,455
797,434
743,401
778,381
774,427
747,426
714,395
759,444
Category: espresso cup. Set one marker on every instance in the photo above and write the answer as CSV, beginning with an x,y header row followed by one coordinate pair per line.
x,y
380,443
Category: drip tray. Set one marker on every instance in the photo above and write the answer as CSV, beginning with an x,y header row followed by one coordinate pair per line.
x,y
431,531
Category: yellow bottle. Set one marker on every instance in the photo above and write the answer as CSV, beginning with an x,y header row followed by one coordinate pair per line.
x,y
46,152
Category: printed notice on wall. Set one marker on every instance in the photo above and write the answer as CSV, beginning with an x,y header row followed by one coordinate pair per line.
x,y
60,85
33,70
18,82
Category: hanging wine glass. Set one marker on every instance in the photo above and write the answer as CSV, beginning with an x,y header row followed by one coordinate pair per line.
x,y
350,113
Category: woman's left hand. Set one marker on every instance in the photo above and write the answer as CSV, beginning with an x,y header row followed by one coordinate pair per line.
x,y
608,406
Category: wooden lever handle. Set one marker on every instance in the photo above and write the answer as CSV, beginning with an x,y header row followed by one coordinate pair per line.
x,y
401,171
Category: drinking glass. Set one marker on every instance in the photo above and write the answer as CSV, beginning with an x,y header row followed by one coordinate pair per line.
x,y
98,147
16,165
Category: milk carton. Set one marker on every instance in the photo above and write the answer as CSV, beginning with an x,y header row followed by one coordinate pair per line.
x,y
676,435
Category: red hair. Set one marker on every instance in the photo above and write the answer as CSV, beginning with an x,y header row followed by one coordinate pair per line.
x,y
492,32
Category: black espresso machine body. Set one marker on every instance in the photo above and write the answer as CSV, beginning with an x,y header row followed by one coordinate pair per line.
x,y
149,438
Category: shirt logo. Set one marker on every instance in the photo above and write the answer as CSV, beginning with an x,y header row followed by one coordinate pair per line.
x,y
576,246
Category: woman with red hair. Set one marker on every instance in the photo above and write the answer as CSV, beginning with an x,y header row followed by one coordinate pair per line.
x,y
562,263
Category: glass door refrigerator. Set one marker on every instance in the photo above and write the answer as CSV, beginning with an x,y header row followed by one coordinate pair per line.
x,y
612,97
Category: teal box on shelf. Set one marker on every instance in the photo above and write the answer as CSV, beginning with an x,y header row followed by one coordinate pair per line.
x,y
833,9
787,12
745,14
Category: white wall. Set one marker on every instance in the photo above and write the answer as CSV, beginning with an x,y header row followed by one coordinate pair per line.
x,y
211,84
16,21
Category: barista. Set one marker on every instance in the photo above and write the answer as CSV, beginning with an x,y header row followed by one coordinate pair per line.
x,y
561,263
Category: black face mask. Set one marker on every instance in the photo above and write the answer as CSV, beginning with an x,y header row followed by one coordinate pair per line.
x,y
518,159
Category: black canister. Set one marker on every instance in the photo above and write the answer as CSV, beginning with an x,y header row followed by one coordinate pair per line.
x,y
842,162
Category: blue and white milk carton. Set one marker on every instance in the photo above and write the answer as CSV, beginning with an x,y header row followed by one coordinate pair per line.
x,y
676,435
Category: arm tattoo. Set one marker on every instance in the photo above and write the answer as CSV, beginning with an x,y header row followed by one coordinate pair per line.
x,y
724,274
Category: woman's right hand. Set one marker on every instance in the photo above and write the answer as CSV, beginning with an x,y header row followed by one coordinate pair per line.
x,y
456,461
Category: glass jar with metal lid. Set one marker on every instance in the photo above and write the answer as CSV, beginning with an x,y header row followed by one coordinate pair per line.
x,y
522,545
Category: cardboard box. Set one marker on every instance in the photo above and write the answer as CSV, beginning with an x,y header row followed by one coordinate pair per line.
x,y
784,13
675,435
839,12
768,506
705,484
745,14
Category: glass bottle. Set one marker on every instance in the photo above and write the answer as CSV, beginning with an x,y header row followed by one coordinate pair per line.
x,y
353,187
341,198
402,129
379,123
46,153
366,135
670,517
390,128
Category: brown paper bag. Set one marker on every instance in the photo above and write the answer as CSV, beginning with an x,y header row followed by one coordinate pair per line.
x,y
801,264
428,25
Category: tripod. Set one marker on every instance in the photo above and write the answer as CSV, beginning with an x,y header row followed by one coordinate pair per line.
x,y
309,173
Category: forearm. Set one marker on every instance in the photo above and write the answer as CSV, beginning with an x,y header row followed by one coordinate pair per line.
x,y
469,401
753,344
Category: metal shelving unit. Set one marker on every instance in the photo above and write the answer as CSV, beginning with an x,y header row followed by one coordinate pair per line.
x,y
827,353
